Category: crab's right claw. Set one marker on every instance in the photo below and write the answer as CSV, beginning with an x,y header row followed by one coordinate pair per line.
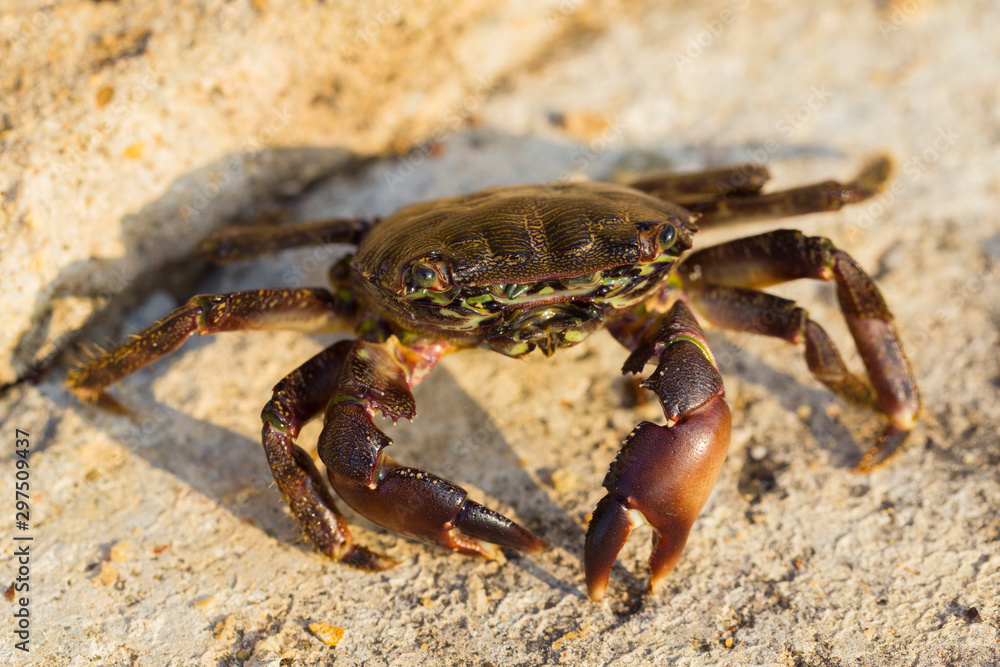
x,y
662,476
408,501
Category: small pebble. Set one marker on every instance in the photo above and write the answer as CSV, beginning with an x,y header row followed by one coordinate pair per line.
x,y
326,633
108,574
121,551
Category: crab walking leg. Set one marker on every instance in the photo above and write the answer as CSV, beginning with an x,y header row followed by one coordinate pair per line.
x,y
299,397
237,244
663,475
408,501
734,205
310,310
718,281
684,189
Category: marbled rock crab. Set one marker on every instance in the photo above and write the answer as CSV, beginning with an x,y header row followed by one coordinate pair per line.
x,y
541,267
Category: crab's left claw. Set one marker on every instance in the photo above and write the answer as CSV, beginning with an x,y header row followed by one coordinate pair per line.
x,y
663,475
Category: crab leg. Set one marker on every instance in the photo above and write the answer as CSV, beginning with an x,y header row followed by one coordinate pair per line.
x,y
408,501
663,475
236,244
311,310
299,397
685,189
719,281
734,194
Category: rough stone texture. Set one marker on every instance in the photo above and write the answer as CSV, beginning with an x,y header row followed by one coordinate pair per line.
x,y
161,541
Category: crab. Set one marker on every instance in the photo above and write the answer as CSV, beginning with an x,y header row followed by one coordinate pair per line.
x,y
538,267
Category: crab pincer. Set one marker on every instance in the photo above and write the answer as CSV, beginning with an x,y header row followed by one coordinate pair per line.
x,y
663,475
405,500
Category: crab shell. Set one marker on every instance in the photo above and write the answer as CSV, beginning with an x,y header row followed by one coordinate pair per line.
x,y
574,253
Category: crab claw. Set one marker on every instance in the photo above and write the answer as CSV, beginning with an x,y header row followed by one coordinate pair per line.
x,y
428,508
410,501
662,476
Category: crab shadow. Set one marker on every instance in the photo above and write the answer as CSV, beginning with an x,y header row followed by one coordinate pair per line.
x,y
792,392
158,242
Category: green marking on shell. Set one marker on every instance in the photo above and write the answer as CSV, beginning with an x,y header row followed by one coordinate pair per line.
x,y
701,346
517,350
437,297
470,312
516,290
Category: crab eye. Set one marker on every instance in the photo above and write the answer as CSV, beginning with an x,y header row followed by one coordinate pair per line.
x,y
424,274
428,274
667,237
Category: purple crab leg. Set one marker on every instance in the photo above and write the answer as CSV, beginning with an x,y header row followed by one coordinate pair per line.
x,y
299,397
721,282
405,500
663,475
312,310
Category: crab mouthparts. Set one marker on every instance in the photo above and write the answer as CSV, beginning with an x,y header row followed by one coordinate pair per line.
x,y
545,290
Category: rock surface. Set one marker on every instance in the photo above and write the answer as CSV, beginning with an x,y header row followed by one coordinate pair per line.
x,y
162,541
